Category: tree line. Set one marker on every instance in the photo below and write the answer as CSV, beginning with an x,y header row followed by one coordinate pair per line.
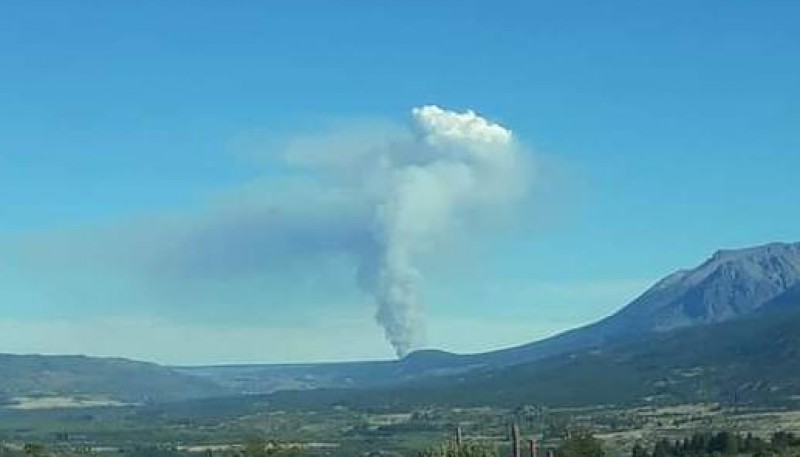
x,y
722,443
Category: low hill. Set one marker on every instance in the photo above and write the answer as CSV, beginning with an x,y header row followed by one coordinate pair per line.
x,y
113,378
260,379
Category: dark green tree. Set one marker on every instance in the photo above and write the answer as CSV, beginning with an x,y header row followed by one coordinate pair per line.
x,y
639,451
663,448
34,450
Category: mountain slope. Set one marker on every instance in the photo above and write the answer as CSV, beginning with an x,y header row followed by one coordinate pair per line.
x,y
731,288
120,379
731,284
754,360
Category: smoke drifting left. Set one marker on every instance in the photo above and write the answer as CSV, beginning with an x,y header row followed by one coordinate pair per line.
x,y
380,198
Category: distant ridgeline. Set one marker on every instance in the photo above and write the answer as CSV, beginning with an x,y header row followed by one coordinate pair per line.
x,y
111,378
728,330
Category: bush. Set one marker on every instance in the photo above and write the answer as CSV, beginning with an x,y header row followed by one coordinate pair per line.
x,y
465,450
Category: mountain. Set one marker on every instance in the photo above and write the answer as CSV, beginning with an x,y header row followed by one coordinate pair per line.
x,y
732,284
112,378
747,361
786,300
709,323
729,285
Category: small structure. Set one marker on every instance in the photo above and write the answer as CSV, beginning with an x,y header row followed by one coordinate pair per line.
x,y
533,448
515,441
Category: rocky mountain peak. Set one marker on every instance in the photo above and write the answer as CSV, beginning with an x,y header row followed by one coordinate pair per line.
x,y
729,284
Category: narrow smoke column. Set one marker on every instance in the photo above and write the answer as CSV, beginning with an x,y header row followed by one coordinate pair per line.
x,y
459,437
455,165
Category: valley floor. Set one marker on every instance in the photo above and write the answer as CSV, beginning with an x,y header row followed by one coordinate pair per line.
x,y
340,431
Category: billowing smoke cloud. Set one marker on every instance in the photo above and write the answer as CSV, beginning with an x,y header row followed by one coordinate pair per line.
x,y
455,162
381,200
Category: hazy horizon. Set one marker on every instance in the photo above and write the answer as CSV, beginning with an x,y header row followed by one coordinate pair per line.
x,y
199,184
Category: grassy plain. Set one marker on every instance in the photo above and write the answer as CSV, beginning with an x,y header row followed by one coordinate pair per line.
x,y
342,431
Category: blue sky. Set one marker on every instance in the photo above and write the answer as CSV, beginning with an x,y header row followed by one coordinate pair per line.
x,y
658,131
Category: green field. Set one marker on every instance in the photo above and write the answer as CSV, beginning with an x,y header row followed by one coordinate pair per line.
x,y
348,432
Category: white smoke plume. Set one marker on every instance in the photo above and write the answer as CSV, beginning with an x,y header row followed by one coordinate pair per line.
x,y
385,198
454,163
